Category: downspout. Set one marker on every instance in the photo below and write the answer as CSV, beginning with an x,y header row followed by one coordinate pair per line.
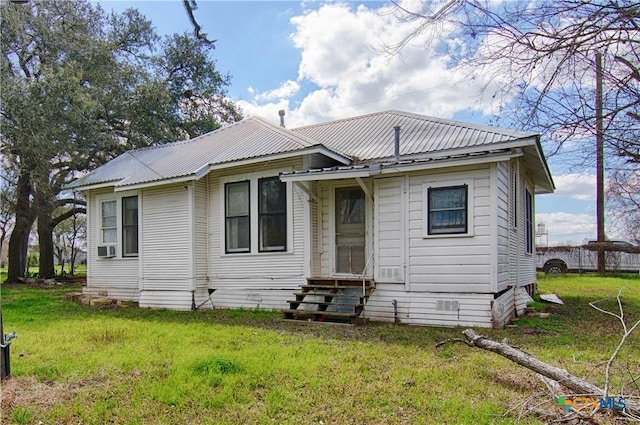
x,y
191,240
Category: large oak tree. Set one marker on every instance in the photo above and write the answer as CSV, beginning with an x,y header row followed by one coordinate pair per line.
x,y
78,87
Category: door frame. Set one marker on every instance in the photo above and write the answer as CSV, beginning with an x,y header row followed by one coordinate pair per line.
x,y
368,223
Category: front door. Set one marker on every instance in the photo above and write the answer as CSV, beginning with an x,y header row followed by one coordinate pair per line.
x,y
350,230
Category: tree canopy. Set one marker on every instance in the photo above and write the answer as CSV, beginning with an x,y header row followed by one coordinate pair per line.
x,y
78,87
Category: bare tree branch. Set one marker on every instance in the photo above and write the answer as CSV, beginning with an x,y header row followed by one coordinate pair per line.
x,y
623,339
572,382
190,6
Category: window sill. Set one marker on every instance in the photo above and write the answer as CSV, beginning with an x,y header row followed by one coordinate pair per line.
x,y
255,254
446,236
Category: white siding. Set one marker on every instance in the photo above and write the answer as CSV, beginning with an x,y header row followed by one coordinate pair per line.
x,y
251,279
522,270
316,232
267,298
118,276
167,272
389,231
451,264
326,231
503,308
428,309
503,226
527,269
201,234
522,300
516,244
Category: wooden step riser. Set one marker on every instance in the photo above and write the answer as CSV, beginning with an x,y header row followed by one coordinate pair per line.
x,y
333,294
328,293
333,287
340,282
337,304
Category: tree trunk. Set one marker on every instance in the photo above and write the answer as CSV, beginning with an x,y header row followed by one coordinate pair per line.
x,y
72,260
18,247
579,386
19,240
45,238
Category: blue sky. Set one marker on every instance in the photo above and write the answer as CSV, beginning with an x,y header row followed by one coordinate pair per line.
x,y
324,60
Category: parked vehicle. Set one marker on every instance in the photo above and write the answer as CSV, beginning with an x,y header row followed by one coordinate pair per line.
x,y
620,257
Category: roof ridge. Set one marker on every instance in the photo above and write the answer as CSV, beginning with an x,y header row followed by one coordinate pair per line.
x,y
301,139
191,140
320,124
444,121
458,123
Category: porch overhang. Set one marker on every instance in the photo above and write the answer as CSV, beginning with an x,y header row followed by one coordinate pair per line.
x,y
392,167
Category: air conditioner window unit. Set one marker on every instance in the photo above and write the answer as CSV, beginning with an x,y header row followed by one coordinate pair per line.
x,y
106,251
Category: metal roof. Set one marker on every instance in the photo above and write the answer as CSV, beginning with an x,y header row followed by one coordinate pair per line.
x,y
365,139
371,137
250,138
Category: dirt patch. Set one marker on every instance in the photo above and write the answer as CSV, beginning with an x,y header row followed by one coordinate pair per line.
x,y
22,392
527,330
28,391
520,382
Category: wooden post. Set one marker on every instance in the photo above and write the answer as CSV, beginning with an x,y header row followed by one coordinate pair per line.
x,y
600,167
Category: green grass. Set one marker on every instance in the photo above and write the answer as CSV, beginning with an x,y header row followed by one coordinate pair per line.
x,y
74,364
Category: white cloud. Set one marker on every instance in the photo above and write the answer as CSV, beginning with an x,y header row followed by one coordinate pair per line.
x,y
567,228
580,186
286,90
343,61
268,110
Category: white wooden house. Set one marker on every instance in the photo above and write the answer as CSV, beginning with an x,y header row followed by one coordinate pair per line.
x,y
436,217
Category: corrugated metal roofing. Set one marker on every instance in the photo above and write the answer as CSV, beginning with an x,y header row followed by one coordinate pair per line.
x,y
371,137
363,139
250,138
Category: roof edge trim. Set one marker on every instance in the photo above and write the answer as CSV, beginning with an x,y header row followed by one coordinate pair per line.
x,y
388,168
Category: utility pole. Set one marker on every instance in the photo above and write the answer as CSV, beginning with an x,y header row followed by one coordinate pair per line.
x,y
600,167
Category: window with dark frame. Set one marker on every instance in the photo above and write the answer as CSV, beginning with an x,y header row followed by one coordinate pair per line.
x,y
272,215
448,210
237,217
529,235
109,219
130,226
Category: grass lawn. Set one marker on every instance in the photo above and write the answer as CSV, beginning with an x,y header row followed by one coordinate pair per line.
x,y
80,270
75,364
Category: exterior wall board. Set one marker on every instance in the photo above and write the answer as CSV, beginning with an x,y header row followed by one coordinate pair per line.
x,y
166,238
117,276
389,238
502,225
451,263
503,309
254,272
422,308
201,238
167,262
527,271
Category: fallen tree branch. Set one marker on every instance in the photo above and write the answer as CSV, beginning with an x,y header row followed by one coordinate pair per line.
x,y
562,376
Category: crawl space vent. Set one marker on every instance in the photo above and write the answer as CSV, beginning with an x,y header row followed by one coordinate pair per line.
x,y
447,305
